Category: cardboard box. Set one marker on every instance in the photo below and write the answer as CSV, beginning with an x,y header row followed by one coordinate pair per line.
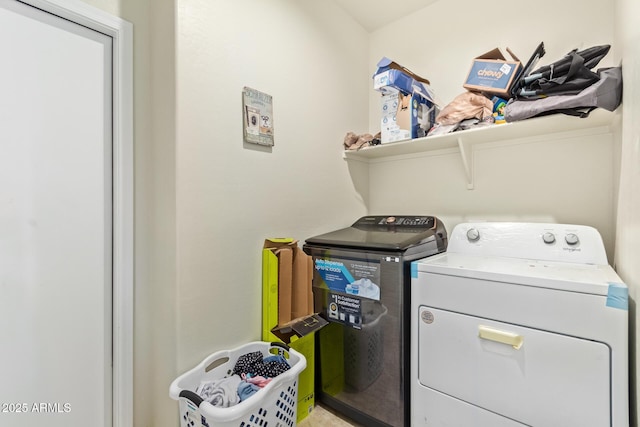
x,y
393,79
493,74
409,106
287,309
390,76
405,116
385,64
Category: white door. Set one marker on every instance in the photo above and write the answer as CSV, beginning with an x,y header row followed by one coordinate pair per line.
x,y
55,221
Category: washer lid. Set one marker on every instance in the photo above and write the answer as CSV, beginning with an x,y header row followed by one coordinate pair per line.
x,y
392,233
583,278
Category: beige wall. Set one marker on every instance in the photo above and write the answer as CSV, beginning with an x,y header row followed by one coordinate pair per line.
x,y
628,221
109,6
155,229
156,286
231,196
541,179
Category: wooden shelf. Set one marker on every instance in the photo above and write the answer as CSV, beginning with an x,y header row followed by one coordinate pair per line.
x,y
463,140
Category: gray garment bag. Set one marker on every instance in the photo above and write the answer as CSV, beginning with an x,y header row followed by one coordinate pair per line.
x,y
605,93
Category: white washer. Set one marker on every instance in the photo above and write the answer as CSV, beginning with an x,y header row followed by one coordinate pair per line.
x,y
519,324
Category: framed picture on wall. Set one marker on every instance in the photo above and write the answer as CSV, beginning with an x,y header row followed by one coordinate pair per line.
x,y
257,112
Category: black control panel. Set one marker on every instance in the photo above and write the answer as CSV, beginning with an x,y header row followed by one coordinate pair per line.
x,y
422,222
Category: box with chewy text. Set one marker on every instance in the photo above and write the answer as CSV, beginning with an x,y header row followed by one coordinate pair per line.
x,y
493,74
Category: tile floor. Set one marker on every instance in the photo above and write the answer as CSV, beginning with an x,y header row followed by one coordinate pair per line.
x,y
322,416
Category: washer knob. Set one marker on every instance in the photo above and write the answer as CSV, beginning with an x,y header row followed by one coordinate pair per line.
x,y
571,239
391,220
473,235
548,238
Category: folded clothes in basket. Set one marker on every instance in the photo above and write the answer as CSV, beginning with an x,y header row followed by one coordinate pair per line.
x,y
246,390
251,372
257,380
222,392
256,364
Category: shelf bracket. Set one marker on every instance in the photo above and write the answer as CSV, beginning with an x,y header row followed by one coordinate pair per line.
x,y
467,161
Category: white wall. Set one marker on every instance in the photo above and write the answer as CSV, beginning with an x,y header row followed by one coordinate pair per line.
x,y
313,60
109,6
155,249
155,162
570,179
628,220
525,180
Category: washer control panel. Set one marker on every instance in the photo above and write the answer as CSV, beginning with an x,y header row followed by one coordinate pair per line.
x,y
536,241
473,234
570,239
548,237
423,222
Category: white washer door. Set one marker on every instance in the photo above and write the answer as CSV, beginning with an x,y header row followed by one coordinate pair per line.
x,y
550,380
55,221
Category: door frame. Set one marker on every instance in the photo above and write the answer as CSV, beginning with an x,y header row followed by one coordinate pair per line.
x,y
121,32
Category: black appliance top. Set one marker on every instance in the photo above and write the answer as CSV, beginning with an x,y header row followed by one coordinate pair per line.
x,y
394,233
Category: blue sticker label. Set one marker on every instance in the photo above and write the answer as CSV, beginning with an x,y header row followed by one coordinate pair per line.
x,y
334,272
618,296
350,276
414,270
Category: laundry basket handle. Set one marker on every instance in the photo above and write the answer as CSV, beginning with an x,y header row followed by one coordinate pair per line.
x,y
188,394
279,344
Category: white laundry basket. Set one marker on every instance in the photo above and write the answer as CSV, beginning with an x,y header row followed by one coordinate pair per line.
x,y
275,405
